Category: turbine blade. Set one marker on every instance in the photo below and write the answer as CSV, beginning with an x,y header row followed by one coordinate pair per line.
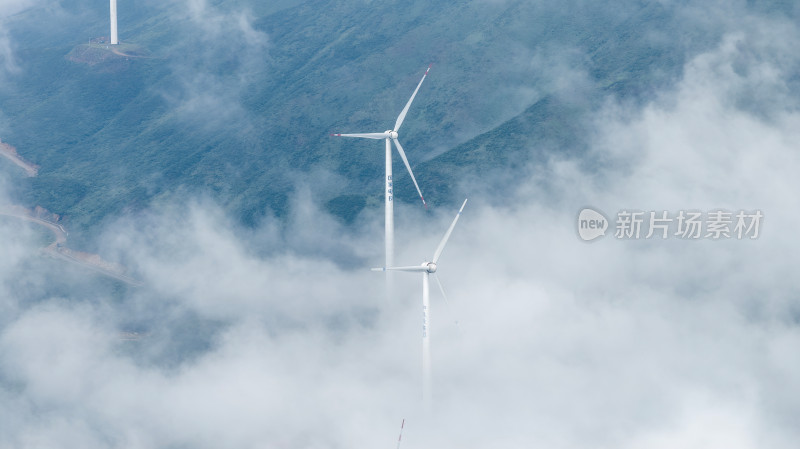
x,y
441,289
401,433
402,115
363,135
408,167
411,268
440,248
446,302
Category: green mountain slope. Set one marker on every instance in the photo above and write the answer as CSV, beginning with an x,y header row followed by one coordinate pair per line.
x,y
237,99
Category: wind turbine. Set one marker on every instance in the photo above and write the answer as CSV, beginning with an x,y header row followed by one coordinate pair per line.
x,y
428,268
391,136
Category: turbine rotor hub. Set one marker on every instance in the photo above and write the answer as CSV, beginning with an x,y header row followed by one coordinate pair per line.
x,y
391,134
431,267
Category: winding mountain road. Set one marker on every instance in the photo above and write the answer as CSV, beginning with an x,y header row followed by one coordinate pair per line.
x,y
58,248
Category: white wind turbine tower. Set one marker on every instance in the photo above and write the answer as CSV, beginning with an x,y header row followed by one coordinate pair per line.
x,y
427,268
389,136
114,38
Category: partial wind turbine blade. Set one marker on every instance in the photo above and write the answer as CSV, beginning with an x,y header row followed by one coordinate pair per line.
x,y
402,424
447,235
444,295
441,289
408,167
364,135
402,115
411,268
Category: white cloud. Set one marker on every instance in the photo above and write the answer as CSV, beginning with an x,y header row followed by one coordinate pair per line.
x,y
7,59
11,7
560,343
8,63
218,56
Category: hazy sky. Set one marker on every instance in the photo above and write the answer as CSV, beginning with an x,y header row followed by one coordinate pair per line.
x,y
265,338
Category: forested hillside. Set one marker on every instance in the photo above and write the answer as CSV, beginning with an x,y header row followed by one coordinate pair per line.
x,y
237,99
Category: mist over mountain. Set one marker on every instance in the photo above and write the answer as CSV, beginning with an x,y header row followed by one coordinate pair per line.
x,y
200,161
237,99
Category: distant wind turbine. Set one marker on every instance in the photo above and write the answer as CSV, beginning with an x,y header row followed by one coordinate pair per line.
x,y
389,136
426,269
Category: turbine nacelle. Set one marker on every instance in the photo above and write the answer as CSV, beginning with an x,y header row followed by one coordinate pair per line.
x,y
391,134
430,267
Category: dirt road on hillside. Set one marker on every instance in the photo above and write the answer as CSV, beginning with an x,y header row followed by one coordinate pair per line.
x,y
58,250
41,217
10,153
